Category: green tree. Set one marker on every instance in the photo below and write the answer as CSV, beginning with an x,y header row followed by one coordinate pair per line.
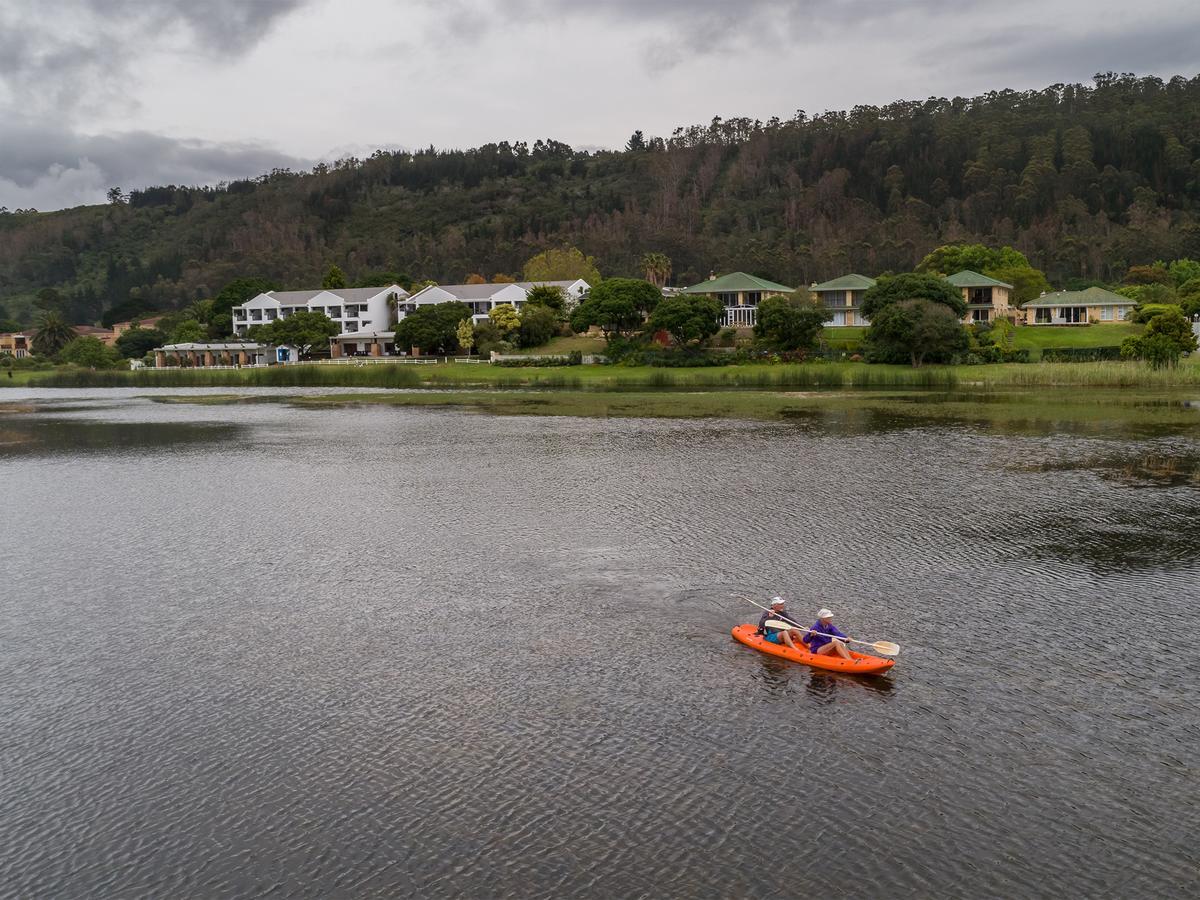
x,y
657,267
561,264
308,331
488,338
1156,274
548,295
433,329
1028,283
616,306
7,326
914,331
1182,270
1158,350
538,325
235,293
89,352
687,317
465,334
335,278
505,318
791,323
890,289
137,342
188,331
1173,325
51,334
951,258
1189,297
48,299
384,279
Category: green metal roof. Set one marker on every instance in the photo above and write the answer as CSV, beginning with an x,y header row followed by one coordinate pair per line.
x,y
849,282
734,282
1093,296
968,279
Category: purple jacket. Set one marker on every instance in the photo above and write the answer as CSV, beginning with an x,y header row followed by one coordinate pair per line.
x,y
820,639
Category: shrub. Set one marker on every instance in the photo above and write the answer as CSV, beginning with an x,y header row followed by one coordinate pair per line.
x,y
1081,354
538,324
1144,312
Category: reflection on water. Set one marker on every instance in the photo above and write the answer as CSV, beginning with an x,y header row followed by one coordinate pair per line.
x,y
35,436
256,650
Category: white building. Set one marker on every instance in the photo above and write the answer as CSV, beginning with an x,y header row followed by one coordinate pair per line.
x,y
352,309
484,297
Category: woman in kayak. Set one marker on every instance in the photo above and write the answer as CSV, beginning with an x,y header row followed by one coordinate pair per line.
x,y
776,635
823,637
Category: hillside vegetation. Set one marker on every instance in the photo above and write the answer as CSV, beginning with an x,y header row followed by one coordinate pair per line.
x,y
1085,180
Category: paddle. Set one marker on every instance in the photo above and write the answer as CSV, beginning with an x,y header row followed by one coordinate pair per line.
x,y
883,648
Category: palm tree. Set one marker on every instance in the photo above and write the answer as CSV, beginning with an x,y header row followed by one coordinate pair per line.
x,y
657,267
52,334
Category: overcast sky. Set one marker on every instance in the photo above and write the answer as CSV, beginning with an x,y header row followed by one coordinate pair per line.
x,y
97,93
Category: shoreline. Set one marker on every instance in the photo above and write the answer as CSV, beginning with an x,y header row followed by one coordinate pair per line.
x,y
753,376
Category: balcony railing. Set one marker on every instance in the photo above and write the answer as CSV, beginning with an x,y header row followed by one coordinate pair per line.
x,y
740,316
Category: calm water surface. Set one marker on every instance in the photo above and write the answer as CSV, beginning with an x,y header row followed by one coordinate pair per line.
x,y
253,650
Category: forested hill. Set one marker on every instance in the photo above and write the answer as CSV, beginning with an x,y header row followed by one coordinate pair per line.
x,y
1086,180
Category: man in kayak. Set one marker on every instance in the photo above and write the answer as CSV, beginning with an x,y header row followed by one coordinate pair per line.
x,y
825,639
776,635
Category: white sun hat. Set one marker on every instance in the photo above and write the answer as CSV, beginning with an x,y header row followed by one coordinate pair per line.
x,y
824,613
775,601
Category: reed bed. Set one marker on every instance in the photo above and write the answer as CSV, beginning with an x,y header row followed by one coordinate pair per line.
x,y
814,376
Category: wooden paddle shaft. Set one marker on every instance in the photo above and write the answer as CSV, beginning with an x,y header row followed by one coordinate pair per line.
x,y
802,628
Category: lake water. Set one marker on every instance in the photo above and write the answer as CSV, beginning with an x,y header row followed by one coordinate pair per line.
x,y
255,650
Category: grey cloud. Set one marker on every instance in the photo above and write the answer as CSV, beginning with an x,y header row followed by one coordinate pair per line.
x,y
46,66
1163,44
699,25
48,167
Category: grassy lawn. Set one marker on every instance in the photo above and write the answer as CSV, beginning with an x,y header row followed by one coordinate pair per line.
x,y
1039,337
561,345
839,337
21,377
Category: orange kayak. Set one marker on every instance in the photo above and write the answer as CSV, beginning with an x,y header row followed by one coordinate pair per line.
x,y
861,664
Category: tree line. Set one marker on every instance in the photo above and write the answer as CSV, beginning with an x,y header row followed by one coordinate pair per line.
x,y
1084,180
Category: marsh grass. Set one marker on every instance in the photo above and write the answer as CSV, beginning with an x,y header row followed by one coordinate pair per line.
x,y
762,377
378,376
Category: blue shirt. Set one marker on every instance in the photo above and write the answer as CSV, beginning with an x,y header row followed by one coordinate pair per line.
x,y
821,638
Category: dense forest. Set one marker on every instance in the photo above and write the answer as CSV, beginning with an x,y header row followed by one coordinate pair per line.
x,y
1086,180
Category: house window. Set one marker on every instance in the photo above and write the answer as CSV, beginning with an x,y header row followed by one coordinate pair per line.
x,y
1073,315
727,299
1122,311
833,299
1106,313
839,319
753,298
981,295
1041,315
979,315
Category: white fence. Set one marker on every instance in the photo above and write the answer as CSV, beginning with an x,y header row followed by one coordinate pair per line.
x,y
386,360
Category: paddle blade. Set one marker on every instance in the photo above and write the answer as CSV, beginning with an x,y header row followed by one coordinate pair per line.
x,y
883,648
775,623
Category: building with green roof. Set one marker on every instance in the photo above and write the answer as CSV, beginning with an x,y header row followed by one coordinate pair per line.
x,y
1095,304
740,294
842,296
987,298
